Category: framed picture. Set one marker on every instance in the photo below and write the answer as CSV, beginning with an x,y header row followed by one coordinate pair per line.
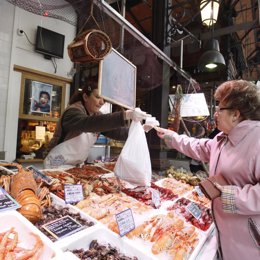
x,y
41,98
117,80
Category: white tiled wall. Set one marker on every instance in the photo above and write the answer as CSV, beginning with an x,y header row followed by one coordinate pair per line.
x,y
6,18
16,50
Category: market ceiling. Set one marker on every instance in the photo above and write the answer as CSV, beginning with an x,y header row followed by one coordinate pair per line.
x,y
237,29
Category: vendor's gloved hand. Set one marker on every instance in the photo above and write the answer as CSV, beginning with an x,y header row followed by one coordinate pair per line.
x,y
136,115
210,186
150,123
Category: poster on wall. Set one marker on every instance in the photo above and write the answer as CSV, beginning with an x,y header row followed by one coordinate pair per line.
x,y
41,97
117,80
191,105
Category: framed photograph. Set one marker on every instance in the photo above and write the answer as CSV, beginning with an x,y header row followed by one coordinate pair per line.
x,y
117,80
41,98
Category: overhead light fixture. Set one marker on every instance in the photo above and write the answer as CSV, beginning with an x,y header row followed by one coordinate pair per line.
x,y
211,59
209,11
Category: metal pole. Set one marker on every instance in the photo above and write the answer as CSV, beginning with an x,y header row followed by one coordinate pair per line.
x,y
122,30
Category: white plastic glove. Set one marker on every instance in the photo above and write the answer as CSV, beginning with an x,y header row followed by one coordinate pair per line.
x,y
150,123
136,115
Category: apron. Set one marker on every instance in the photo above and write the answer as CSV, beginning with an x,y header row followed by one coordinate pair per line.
x,y
71,152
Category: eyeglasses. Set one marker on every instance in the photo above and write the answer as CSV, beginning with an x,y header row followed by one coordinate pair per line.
x,y
222,108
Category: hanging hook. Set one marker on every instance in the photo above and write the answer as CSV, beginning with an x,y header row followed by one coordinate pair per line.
x,y
90,16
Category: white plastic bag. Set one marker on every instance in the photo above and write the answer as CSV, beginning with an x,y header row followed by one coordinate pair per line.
x,y
134,163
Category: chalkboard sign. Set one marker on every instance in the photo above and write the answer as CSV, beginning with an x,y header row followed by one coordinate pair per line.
x,y
7,202
62,227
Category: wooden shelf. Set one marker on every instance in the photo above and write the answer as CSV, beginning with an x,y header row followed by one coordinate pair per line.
x,y
29,160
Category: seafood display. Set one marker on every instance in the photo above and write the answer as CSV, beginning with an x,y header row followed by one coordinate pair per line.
x,y
168,233
194,196
5,182
87,170
203,222
164,223
54,212
103,208
21,240
100,251
144,194
177,186
10,247
90,183
185,176
27,192
108,165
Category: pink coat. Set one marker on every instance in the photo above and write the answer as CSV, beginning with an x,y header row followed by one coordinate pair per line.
x,y
237,158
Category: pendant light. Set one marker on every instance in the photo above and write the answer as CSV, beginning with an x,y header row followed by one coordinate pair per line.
x,y
209,11
211,59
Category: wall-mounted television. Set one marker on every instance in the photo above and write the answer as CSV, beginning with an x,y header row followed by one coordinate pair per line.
x,y
49,43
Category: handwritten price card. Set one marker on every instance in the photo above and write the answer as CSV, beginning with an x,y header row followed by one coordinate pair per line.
x,y
199,192
156,198
194,209
73,193
125,222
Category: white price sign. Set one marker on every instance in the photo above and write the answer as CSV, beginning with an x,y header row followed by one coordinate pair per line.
x,y
125,221
156,199
199,192
194,209
73,193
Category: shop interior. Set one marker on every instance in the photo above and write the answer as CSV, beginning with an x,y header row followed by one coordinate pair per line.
x,y
158,49
165,48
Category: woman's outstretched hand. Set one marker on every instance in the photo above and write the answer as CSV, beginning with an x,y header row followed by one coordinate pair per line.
x,y
161,132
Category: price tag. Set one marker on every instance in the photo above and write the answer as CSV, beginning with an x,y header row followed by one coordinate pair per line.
x,y
199,192
62,227
7,202
73,193
194,209
156,199
38,174
125,222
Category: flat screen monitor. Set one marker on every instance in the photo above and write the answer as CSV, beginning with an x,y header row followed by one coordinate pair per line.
x,y
49,43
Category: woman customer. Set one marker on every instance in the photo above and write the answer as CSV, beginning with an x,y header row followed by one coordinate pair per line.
x,y
80,125
234,161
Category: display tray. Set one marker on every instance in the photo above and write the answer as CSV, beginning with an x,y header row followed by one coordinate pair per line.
x,y
59,203
167,236
29,237
104,237
178,187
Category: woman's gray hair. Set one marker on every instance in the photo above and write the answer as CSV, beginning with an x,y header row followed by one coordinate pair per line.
x,y
242,95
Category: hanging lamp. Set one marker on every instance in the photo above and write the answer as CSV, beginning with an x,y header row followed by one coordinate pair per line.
x,y
211,59
209,11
